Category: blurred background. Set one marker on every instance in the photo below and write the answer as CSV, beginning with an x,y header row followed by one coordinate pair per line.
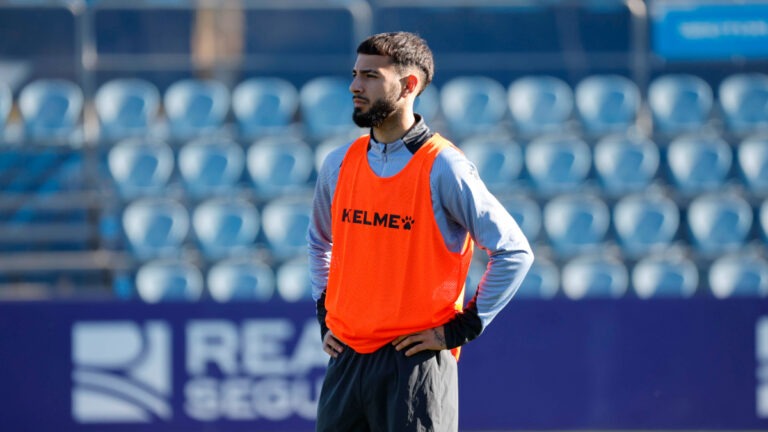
x,y
163,153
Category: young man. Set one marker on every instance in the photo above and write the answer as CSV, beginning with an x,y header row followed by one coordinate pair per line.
x,y
390,242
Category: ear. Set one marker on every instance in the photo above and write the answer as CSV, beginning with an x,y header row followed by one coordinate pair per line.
x,y
411,84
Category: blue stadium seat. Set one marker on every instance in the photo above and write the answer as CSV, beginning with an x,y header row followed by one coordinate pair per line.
x,y
326,146
576,223
140,167
499,161
595,276
542,280
679,103
540,104
155,227
428,103
763,218
473,105
169,280
50,109
699,163
719,222
195,107
6,102
665,275
645,222
752,157
225,226
264,106
744,101
526,212
558,163
326,107
607,103
284,223
625,163
127,107
293,281
210,166
739,275
242,278
279,165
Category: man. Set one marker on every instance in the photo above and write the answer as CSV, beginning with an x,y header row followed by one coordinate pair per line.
x,y
390,241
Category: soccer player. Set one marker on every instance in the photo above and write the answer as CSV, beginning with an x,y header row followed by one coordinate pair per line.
x,y
396,215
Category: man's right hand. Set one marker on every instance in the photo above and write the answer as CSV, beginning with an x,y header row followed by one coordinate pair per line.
x,y
332,346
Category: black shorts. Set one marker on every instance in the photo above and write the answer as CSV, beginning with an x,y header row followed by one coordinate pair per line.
x,y
385,391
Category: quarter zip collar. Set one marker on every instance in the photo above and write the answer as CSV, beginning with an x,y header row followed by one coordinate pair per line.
x,y
416,136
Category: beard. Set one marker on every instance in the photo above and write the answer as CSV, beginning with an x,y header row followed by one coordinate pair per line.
x,y
376,114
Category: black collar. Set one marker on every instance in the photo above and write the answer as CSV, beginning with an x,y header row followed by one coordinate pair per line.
x,y
416,136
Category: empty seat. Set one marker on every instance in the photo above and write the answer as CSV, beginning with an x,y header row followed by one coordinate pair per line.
x,y
607,103
665,275
540,104
326,107
752,156
719,222
744,100
50,109
428,103
576,223
293,280
243,278
140,166
194,107
739,275
526,212
595,276
225,226
558,163
679,102
264,105
6,103
541,282
169,280
699,163
279,165
499,161
625,163
645,222
763,215
155,227
211,166
127,107
473,104
284,222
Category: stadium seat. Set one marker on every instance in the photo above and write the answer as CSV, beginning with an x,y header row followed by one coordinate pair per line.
x,y
679,103
558,163
752,157
576,223
140,166
607,103
763,216
279,165
665,275
155,227
264,106
327,146
169,280
719,222
127,107
540,104
210,166
243,278
293,280
595,276
326,107
526,212
699,163
739,275
6,103
225,226
499,161
428,103
744,101
541,282
50,109
284,222
473,105
625,163
645,222
195,107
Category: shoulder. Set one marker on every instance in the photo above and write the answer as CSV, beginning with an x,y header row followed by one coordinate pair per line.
x,y
451,163
332,162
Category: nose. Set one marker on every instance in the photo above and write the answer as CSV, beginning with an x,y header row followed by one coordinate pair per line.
x,y
354,86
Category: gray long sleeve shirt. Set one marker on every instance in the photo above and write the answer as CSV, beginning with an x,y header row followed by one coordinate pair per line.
x,y
461,204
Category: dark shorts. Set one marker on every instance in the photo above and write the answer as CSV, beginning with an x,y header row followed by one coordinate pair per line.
x,y
385,391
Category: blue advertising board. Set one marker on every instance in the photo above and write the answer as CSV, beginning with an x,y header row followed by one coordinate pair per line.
x,y
555,364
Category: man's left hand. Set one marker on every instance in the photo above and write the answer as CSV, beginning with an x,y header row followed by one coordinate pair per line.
x,y
431,339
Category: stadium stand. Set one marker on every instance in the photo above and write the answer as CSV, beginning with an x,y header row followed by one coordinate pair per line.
x,y
719,222
280,165
127,107
166,280
264,106
242,278
558,163
293,283
155,227
526,212
542,281
499,160
595,276
743,98
752,158
645,223
679,103
325,105
51,110
195,107
607,103
669,274
540,104
140,167
625,163
739,275
473,105
225,227
699,163
211,166
285,220
6,103
576,223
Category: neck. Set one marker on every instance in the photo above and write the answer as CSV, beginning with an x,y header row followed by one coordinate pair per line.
x,y
394,127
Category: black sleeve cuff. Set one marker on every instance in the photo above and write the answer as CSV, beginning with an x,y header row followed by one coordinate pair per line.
x,y
321,311
464,327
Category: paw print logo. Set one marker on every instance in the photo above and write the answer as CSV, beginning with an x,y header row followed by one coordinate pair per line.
x,y
408,222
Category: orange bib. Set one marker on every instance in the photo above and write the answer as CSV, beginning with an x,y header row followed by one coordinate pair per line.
x,y
391,273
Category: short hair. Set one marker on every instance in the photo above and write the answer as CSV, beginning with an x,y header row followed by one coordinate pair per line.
x,y
405,49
